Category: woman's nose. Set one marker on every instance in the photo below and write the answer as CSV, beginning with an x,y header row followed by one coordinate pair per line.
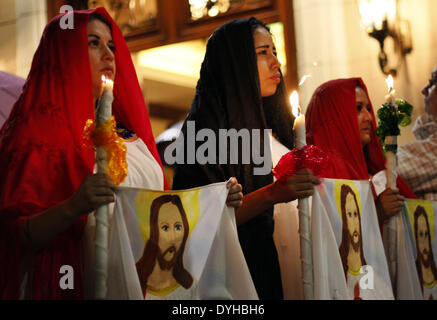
x,y
368,116
425,90
276,64
108,55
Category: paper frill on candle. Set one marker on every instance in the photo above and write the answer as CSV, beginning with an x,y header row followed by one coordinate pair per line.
x,y
308,157
107,137
390,118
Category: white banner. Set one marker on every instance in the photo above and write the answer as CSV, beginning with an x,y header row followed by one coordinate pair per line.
x,y
348,254
419,277
176,245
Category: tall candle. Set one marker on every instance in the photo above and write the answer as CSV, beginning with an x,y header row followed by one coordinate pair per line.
x,y
303,206
103,114
391,140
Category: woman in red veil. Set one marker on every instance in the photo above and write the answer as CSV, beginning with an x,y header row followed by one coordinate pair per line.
x,y
48,186
340,120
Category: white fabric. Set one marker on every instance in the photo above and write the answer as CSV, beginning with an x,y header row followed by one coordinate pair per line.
x,y
406,284
326,231
212,255
409,286
286,237
430,293
143,172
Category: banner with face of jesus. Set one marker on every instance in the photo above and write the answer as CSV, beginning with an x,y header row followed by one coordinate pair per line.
x,y
176,245
421,220
348,254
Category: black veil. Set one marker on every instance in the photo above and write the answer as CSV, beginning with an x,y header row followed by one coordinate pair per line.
x,y
228,96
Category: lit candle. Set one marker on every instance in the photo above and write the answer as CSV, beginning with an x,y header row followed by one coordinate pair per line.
x,y
103,114
104,107
303,205
391,174
391,91
299,121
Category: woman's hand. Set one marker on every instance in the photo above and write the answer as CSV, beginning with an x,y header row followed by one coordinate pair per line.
x,y
388,204
95,191
235,195
300,185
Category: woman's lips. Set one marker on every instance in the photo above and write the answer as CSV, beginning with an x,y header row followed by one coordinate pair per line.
x,y
107,71
276,78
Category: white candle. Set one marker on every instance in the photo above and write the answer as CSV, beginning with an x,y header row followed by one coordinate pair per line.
x,y
303,206
103,114
391,140
299,122
104,108
391,174
391,91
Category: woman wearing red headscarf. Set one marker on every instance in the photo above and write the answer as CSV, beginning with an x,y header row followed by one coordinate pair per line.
x,y
48,186
340,121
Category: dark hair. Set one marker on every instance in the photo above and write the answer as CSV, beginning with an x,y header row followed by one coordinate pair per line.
x,y
96,16
359,84
147,261
255,23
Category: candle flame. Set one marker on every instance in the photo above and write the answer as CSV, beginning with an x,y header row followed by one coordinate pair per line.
x,y
294,101
304,78
107,83
390,83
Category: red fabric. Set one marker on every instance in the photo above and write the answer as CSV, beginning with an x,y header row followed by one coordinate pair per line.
x,y
42,155
332,125
357,292
308,157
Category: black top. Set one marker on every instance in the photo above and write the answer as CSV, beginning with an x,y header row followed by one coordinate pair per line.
x,y
228,96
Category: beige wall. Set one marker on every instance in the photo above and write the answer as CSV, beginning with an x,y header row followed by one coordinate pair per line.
x,y
328,33
330,45
21,25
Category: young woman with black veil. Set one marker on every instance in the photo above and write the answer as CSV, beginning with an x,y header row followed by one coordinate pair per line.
x,y
241,87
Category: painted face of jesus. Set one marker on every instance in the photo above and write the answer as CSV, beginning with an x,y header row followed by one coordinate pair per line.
x,y
353,222
171,234
423,237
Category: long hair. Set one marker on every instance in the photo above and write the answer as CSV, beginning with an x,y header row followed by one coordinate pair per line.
x,y
147,262
345,237
417,213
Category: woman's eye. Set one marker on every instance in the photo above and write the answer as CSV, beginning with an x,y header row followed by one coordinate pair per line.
x,y
178,227
359,107
112,48
165,228
275,53
94,43
262,52
369,108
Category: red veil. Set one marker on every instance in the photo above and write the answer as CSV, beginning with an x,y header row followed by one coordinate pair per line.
x,y
42,155
332,125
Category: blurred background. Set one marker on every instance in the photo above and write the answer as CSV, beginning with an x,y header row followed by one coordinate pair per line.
x,y
317,40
